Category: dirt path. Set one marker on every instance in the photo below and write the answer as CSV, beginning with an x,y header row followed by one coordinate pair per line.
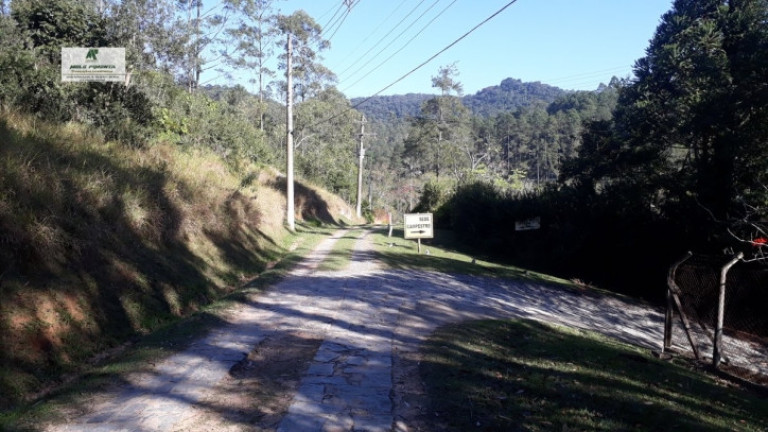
x,y
338,351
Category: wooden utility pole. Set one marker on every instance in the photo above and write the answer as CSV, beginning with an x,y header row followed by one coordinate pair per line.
x,y
361,154
289,208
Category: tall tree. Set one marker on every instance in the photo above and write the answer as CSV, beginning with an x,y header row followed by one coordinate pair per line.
x,y
697,111
303,39
252,40
151,32
690,134
439,137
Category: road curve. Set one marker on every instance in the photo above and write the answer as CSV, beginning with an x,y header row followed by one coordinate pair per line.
x,y
369,323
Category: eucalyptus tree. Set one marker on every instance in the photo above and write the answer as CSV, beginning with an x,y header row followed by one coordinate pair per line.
x,y
152,33
251,44
205,27
302,40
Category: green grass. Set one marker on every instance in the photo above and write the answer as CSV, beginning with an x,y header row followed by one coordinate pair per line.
x,y
338,258
161,343
524,375
399,253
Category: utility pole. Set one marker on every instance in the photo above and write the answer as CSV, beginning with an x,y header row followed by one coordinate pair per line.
x,y
361,154
289,208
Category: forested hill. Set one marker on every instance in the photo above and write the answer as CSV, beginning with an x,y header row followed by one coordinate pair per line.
x,y
401,106
509,95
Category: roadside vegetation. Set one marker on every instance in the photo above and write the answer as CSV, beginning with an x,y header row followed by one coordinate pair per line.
x,y
445,254
103,242
526,375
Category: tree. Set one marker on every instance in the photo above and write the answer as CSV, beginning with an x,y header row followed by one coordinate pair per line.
x,y
697,111
251,39
152,34
439,139
689,137
301,33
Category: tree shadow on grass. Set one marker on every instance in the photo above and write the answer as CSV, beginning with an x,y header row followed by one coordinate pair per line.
x,y
524,375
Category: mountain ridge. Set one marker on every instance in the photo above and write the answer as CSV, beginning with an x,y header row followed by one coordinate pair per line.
x,y
510,94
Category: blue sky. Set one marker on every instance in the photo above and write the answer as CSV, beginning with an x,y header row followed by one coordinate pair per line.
x,y
573,44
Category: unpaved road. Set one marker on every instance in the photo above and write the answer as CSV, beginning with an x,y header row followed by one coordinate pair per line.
x,y
338,351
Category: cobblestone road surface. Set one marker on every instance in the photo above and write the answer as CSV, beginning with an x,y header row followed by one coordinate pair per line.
x,y
363,376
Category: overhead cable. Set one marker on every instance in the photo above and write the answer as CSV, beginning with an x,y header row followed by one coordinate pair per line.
x,y
494,15
383,37
402,47
396,38
373,32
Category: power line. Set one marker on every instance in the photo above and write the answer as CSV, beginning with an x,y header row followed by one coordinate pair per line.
x,y
424,63
341,6
362,43
396,38
383,37
350,5
404,45
437,54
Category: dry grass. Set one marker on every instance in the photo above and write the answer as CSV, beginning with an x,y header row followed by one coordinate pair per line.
x,y
100,242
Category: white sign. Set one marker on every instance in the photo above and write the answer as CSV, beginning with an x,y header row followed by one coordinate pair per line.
x,y
418,225
528,224
93,64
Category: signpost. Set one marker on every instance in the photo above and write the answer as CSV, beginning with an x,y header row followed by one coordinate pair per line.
x,y
93,64
418,226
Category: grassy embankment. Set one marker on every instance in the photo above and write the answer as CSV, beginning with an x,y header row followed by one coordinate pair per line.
x,y
101,243
525,375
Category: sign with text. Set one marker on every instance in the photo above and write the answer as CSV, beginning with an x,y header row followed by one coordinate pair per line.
x,y
93,64
418,226
528,224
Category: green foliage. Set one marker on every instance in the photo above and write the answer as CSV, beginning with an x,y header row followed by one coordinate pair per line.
x,y
689,135
367,211
326,149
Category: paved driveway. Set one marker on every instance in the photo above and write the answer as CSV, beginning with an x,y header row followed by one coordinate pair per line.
x,y
362,373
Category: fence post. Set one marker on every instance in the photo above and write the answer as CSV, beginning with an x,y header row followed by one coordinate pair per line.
x,y
671,286
718,351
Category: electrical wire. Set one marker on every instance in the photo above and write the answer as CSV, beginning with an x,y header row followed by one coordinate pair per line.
x,y
331,20
346,14
362,43
383,37
404,45
451,45
424,63
395,39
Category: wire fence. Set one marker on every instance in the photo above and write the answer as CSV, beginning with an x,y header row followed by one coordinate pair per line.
x,y
695,290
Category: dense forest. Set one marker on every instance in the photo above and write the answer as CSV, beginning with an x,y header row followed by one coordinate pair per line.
x,y
670,159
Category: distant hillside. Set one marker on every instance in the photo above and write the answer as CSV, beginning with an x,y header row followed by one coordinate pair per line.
x,y
382,107
509,95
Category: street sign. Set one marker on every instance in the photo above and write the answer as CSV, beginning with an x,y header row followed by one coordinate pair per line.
x,y
418,226
528,224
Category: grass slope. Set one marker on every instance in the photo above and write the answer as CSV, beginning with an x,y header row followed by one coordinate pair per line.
x,y
101,242
525,375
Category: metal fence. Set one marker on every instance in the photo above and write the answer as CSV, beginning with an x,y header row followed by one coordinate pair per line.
x,y
722,306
